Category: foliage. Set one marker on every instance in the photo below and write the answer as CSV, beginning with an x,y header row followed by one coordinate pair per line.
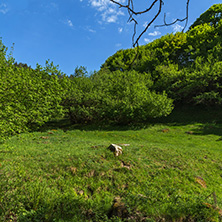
x,y
120,97
187,66
128,97
81,99
161,51
80,72
199,86
212,16
29,97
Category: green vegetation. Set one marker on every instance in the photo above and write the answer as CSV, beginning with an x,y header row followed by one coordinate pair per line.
x,y
181,68
55,130
29,97
170,171
187,66
120,97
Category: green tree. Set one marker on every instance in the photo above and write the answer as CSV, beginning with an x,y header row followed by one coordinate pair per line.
x,y
212,16
80,72
29,97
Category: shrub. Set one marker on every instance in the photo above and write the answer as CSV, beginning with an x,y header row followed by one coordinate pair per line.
x,y
120,97
80,100
29,97
129,99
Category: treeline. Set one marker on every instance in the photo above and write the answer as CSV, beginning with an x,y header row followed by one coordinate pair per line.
x,y
181,68
31,97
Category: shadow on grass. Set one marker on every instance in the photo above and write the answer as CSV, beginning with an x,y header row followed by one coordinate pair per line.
x,y
209,118
185,115
209,129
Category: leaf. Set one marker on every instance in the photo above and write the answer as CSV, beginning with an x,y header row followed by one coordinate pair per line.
x,y
73,170
201,181
44,137
213,207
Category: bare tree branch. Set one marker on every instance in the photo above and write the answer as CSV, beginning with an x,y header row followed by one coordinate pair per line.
x,y
130,7
132,13
149,24
177,20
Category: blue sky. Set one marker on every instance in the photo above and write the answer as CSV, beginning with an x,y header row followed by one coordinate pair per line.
x,y
75,33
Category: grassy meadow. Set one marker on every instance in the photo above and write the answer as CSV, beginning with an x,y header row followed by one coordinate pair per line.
x,y
171,171
171,168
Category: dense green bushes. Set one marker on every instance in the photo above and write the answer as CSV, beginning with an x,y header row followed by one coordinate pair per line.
x,y
81,101
29,97
122,97
184,67
202,85
128,97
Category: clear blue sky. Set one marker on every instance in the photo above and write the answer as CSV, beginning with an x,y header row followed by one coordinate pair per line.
x,y
80,32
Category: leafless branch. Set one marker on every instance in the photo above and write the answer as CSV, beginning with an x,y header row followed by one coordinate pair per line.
x,y
130,7
132,13
177,20
149,24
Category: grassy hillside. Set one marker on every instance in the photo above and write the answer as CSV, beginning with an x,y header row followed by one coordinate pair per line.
x,y
170,172
171,168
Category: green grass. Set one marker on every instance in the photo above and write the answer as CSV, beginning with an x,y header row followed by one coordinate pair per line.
x,y
66,173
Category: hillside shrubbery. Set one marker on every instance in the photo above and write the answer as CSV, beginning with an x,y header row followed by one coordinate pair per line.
x,y
81,100
29,97
183,67
201,85
120,97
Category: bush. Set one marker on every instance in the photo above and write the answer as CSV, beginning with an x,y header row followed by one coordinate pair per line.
x,y
200,84
120,97
81,100
29,97
129,99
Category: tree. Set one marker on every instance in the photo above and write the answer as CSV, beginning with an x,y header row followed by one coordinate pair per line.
x,y
133,13
29,97
22,65
212,16
80,72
